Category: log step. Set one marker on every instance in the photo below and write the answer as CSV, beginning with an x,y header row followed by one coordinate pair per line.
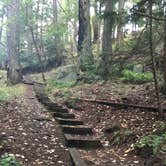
x,y
53,107
64,115
79,129
69,121
58,109
86,143
76,159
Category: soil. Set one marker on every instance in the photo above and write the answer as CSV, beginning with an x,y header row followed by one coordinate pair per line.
x,y
97,116
31,134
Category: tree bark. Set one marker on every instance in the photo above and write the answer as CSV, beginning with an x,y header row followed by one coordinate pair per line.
x,y
14,74
120,25
161,113
38,54
57,40
96,25
107,40
84,36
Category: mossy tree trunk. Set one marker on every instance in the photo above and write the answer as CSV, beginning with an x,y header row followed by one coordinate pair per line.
x,y
84,36
105,63
14,75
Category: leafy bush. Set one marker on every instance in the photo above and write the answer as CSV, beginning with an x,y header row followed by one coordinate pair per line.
x,y
136,78
154,143
9,160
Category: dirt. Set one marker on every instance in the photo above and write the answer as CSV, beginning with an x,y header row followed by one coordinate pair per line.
x,y
31,134
97,116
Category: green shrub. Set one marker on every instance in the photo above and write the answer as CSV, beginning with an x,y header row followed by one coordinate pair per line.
x,y
8,160
154,143
136,78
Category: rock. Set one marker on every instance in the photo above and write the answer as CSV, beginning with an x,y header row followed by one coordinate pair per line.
x,y
112,127
67,73
138,68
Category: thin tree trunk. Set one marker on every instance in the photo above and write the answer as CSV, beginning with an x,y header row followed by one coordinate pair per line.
x,y
164,51
2,20
153,60
38,54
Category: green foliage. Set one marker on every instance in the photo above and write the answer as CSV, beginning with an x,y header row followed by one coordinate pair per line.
x,y
154,142
54,84
136,78
9,160
122,136
9,92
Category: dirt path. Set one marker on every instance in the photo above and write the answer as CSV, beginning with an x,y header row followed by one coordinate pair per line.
x,y
31,133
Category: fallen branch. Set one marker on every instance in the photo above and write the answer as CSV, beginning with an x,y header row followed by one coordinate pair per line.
x,y
122,105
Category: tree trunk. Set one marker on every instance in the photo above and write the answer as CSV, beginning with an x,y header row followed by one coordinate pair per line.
x,y
14,75
57,40
84,36
38,54
96,25
119,26
2,20
164,56
161,113
107,41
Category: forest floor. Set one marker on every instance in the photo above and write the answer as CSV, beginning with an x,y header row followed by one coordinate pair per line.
x,y
34,137
30,133
139,122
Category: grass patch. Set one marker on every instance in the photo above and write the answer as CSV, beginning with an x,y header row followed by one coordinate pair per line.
x,y
136,78
54,84
59,89
9,92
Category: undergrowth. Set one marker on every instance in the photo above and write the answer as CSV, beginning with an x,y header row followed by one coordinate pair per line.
x,y
8,92
8,160
54,84
135,77
154,142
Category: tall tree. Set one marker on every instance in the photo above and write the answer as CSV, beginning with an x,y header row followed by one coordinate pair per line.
x,y
14,75
96,23
153,59
84,36
120,22
105,63
57,39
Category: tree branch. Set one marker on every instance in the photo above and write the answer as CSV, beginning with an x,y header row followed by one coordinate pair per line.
x,y
146,15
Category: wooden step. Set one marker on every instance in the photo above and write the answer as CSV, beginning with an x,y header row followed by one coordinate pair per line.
x,y
79,129
76,159
87,143
58,109
69,121
64,115
50,104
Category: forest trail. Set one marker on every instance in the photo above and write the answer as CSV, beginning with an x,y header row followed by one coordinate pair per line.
x,y
31,134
